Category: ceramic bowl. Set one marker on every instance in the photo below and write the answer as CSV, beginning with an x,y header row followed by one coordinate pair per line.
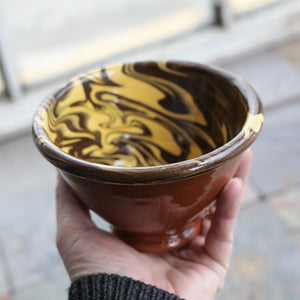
x,y
149,145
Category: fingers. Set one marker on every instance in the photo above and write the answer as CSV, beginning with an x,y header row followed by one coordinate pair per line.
x,y
72,216
219,239
244,166
218,243
206,221
205,226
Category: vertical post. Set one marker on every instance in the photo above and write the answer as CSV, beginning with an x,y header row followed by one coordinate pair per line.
x,y
11,80
222,13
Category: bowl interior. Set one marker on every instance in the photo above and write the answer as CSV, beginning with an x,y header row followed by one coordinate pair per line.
x,y
144,114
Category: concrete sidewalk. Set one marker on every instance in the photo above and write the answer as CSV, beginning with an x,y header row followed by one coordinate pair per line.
x,y
266,257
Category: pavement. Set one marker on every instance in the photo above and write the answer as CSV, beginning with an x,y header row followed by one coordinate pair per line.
x,y
266,257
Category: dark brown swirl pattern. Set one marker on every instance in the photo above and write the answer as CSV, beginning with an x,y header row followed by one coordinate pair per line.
x,y
143,114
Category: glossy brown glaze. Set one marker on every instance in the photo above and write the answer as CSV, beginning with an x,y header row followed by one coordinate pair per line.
x,y
153,217
149,145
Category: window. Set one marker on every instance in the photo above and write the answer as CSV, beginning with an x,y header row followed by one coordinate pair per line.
x,y
246,6
49,40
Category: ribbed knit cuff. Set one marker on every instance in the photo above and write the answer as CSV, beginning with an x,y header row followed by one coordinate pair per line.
x,y
113,287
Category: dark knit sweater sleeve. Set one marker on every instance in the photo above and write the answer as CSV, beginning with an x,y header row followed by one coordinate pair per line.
x,y
115,287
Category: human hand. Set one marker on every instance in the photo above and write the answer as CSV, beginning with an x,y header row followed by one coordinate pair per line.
x,y
196,271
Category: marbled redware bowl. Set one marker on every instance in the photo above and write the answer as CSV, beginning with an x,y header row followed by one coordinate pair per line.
x,y
149,145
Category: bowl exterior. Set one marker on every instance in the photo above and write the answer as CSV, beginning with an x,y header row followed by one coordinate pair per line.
x,y
154,217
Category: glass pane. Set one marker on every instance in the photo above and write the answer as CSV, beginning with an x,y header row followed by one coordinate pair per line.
x,y
50,37
243,6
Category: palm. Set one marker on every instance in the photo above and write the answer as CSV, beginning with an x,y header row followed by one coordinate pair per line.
x,y
183,272
196,271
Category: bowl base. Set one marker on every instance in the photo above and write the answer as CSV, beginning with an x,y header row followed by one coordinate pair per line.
x,y
159,242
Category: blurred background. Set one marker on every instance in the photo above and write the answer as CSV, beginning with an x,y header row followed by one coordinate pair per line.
x,y
44,43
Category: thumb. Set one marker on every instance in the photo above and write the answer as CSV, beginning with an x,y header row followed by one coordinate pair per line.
x,y
72,216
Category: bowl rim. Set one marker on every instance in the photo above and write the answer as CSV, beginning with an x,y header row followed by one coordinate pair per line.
x,y
162,173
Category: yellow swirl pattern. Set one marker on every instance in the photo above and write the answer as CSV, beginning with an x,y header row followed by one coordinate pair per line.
x,y
142,115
